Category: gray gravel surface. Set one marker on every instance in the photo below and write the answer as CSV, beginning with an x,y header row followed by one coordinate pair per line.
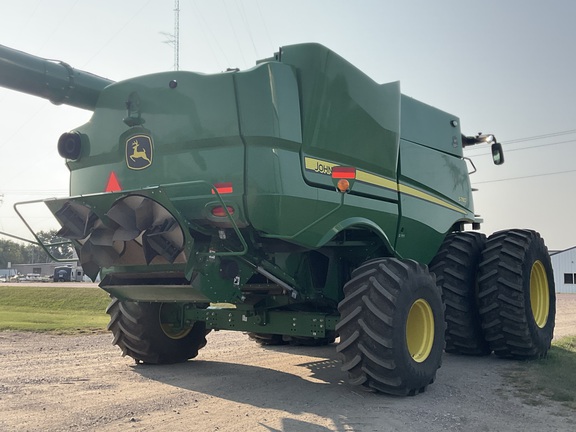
x,y
82,383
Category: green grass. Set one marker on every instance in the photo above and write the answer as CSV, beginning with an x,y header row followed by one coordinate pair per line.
x,y
552,378
53,309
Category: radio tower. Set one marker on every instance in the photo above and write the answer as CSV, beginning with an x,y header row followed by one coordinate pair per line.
x,y
174,38
176,34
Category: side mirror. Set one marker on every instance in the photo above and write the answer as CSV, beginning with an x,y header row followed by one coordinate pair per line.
x,y
497,154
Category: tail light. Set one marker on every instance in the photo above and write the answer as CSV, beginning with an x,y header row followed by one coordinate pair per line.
x,y
220,211
343,175
223,188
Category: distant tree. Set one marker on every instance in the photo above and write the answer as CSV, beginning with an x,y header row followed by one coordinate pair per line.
x,y
18,253
11,252
34,254
64,251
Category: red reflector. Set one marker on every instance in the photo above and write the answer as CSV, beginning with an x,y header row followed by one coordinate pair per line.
x,y
223,188
220,212
340,172
113,185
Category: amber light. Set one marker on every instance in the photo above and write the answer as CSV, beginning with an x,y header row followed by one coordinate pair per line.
x,y
221,212
343,185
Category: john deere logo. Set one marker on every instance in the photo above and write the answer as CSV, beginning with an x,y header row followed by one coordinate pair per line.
x,y
139,152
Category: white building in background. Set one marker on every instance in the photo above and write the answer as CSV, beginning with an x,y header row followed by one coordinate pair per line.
x,y
564,265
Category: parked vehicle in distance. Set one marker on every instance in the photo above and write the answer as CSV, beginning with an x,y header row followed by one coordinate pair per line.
x,y
68,274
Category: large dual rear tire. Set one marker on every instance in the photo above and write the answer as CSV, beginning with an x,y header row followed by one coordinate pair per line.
x,y
517,298
499,293
141,332
456,268
391,327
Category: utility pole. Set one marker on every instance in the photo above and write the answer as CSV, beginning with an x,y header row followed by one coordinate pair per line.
x,y
176,34
174,38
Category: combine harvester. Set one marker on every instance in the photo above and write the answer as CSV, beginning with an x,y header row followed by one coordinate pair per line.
x,y
298,201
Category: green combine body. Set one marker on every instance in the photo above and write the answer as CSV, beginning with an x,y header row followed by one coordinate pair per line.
x,y
298,201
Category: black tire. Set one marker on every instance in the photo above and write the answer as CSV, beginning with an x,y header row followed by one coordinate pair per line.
x,y
391,327
138,331
517,298
456,268
268,339
312,341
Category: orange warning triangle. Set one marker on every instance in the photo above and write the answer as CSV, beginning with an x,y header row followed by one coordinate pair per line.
x,y
113,184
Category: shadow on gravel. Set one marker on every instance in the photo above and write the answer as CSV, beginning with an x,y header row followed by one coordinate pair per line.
x,y
317,389
470,393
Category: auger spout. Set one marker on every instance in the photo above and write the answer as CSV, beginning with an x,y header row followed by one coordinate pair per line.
x,y
53,80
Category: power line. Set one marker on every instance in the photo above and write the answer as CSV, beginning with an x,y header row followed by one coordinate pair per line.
x,y
273,48
532,138
536,137
208,29
524,177
111,38
531,147
235,35
39,192
247,25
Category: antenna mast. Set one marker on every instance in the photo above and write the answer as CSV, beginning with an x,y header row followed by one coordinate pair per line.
x,y
174,38
176,34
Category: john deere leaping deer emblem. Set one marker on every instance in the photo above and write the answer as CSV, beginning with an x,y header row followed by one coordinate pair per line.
x,y
139,152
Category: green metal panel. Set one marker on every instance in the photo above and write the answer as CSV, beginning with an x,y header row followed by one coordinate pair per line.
x,y
429,126
435,194
311,216
193,127
439,174
268,103
156,293
347,117
291,323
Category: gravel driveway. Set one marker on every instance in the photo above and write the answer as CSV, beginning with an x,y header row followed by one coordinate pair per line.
x,y
81,383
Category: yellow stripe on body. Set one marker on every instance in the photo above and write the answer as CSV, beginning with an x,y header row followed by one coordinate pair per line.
x,y
376,180
407,190
312,164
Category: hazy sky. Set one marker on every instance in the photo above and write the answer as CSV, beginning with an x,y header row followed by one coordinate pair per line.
x,y
506,67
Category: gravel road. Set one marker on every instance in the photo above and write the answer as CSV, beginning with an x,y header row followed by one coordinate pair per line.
x,y
81,383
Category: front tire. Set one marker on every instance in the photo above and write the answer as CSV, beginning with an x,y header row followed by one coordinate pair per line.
x,y
517,298
391,327
141,334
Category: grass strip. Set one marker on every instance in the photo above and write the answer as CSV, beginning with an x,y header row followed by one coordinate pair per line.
x,y
552,377
53,309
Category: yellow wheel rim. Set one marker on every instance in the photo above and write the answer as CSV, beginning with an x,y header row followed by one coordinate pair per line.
x,y
169,331
168,311
420,330
539,294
